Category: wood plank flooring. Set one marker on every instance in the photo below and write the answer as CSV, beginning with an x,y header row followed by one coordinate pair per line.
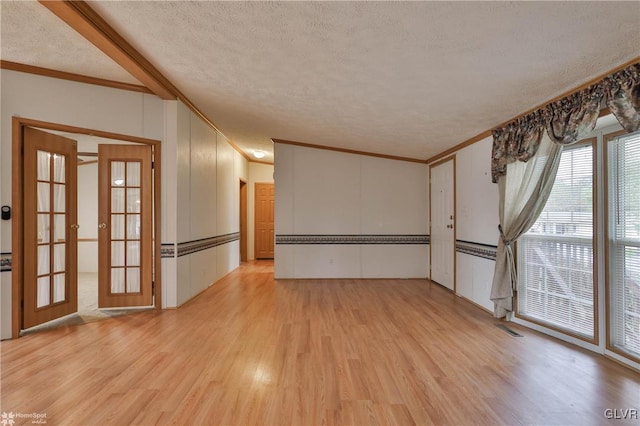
x,y
252,350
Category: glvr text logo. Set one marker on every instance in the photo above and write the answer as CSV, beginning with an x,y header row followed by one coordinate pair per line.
x,y
621,413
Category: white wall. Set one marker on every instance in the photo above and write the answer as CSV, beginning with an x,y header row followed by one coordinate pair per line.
x,y
258,173
88,217
320,192
200,173
477,221
207,171
69,103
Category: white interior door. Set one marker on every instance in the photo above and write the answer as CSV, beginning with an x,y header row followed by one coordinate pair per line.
x,y
443,224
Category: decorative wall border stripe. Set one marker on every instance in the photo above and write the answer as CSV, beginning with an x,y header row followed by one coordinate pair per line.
x,y
485,251
5,262
353,239
205,243
167,250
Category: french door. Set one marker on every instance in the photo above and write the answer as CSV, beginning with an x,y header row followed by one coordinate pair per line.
x,y
50,227
125,228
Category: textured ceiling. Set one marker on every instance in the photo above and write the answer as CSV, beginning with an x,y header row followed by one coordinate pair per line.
x,y
407,79
30,34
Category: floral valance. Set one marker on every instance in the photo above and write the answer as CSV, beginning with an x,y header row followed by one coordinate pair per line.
x,y
569,119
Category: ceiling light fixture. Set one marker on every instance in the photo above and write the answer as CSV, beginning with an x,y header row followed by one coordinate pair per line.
x,y
258,154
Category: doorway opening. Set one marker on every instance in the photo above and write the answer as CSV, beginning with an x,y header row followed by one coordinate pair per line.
x,y
243,221
86,204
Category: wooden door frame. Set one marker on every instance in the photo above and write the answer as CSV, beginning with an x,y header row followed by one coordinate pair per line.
x,y
243,219
455,217
17,188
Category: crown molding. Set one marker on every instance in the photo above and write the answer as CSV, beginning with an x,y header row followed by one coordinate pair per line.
x,y
349,151
63,75
486,134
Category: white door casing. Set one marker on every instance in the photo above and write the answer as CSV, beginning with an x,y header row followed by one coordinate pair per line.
x,y
442,196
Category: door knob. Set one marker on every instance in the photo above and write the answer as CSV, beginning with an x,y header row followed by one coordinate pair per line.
x,y
75,226
102,225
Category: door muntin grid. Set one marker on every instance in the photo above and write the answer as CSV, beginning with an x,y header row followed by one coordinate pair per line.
x,y
52,231
125,220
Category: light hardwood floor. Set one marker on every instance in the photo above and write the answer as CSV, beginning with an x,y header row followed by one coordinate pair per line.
x,y
251,350
87,306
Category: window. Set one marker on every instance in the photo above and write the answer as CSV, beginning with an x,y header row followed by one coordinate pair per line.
x,y
556,271
623,243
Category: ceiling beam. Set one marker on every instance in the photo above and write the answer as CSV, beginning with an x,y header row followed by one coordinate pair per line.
x,y
82,18
79,16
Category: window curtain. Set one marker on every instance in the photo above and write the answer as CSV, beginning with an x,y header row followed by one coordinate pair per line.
x,y
524,191
525,158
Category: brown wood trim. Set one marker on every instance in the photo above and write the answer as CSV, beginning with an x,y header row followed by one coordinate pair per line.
x,y
244,223
594,200
47,72
18,123
85,131
488,133
583,86
348,151
82,18
455,228
442,161
604,111
458,147
607,278
16,227
86,163
87,240
157,223
88,154
234,146
269,163
430,227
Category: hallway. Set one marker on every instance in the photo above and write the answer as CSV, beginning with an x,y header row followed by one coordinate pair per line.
x,y
252,350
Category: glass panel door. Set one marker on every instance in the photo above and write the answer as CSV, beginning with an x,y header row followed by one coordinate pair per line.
x,y
125,236
50,227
